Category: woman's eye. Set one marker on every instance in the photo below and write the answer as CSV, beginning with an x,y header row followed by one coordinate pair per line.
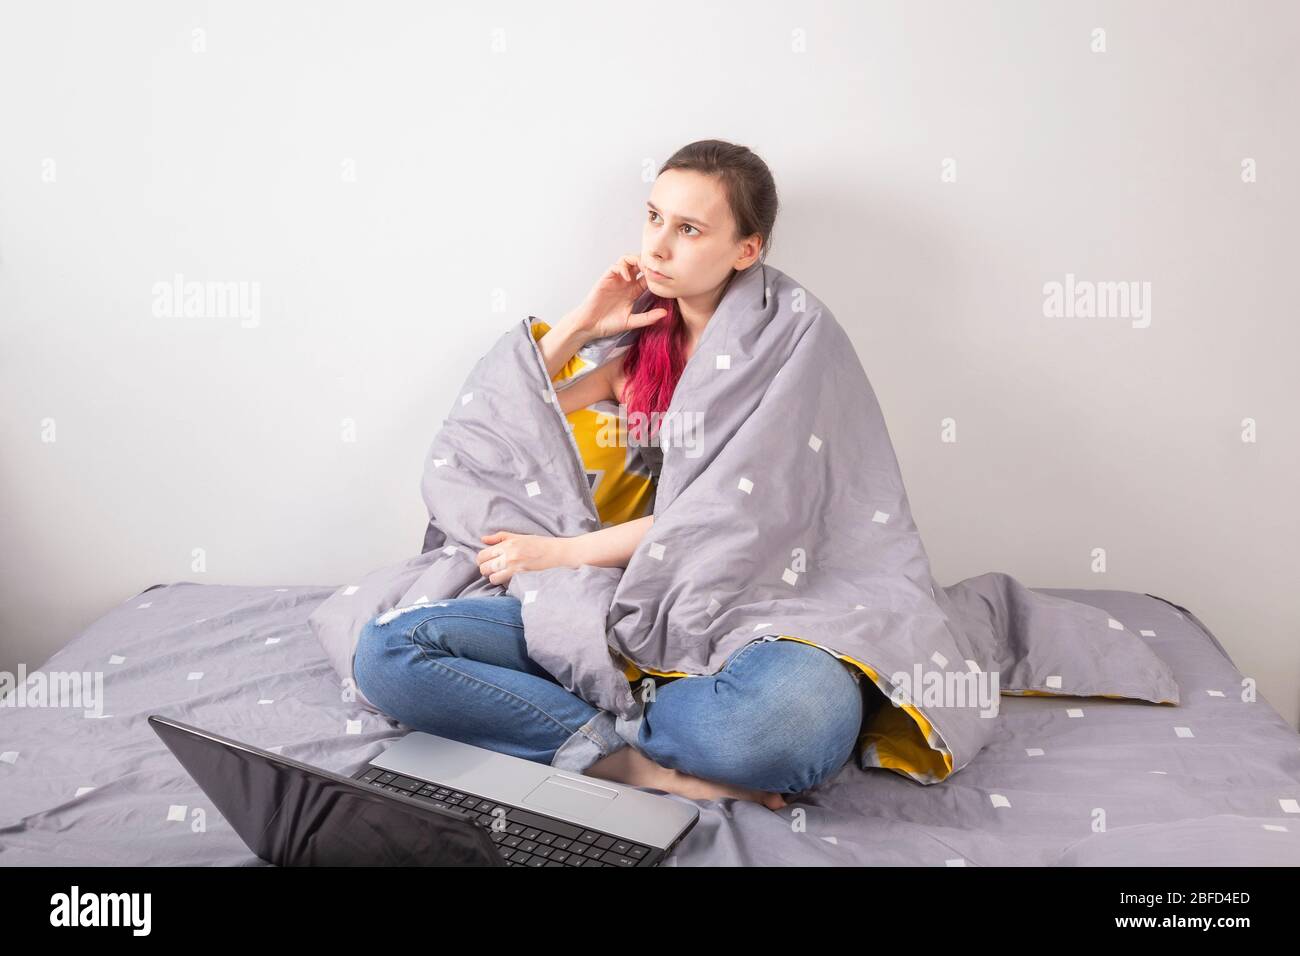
x,y
685,225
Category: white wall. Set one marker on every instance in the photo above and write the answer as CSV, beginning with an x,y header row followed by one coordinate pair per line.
x,y
489,185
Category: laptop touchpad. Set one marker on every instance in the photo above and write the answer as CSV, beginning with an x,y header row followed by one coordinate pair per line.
x,y
570,797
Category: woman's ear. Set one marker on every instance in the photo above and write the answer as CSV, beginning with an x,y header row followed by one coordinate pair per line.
x,y
750,250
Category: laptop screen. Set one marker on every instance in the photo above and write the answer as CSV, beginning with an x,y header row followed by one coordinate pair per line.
x,y
291,814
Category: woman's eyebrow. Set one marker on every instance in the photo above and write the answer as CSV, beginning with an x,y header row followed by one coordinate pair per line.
x,y
693,222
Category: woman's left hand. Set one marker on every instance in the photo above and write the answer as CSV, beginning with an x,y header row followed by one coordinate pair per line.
x,y
509,552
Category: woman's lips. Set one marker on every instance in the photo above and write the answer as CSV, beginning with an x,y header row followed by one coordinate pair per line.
x,y
657,275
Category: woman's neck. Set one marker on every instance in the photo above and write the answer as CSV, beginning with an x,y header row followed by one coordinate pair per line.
x,y
696,311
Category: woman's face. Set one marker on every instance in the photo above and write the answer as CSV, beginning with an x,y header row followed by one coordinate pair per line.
x,y
689,236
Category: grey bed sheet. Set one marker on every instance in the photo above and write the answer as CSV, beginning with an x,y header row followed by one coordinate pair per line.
x,y
1065,781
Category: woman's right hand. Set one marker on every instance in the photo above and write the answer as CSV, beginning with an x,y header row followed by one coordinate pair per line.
x,y
607,310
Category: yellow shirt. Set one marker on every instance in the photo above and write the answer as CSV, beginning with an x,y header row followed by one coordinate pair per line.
x,y
619,495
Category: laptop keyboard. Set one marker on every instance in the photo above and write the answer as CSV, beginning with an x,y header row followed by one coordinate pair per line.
x,y
527,839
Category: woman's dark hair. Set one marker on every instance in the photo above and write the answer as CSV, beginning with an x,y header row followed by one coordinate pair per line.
x,y
654,362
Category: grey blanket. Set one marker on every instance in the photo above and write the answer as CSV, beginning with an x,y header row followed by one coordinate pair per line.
x,y
780,510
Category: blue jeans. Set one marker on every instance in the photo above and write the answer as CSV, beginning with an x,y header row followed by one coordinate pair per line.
x,y
779,716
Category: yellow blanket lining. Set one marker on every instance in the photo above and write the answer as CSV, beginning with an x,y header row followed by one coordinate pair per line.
x,y
903,740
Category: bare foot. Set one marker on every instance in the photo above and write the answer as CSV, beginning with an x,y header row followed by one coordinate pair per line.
x,y
630,766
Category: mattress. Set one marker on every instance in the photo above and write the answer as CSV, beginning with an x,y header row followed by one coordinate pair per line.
x,y
1069,781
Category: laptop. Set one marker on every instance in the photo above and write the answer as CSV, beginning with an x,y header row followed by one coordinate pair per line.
x,y
426,801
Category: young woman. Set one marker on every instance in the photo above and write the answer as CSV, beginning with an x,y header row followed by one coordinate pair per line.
x,y
780,716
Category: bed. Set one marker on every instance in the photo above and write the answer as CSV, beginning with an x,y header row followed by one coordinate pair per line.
x,y
1067,781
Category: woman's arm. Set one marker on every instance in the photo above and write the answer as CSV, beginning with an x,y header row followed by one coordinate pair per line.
x,y
595,386
507,552
562,341
610,547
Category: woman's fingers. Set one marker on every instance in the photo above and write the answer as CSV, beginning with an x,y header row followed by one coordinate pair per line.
x,y
488,557
646,318
638,273
497,571
629,266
